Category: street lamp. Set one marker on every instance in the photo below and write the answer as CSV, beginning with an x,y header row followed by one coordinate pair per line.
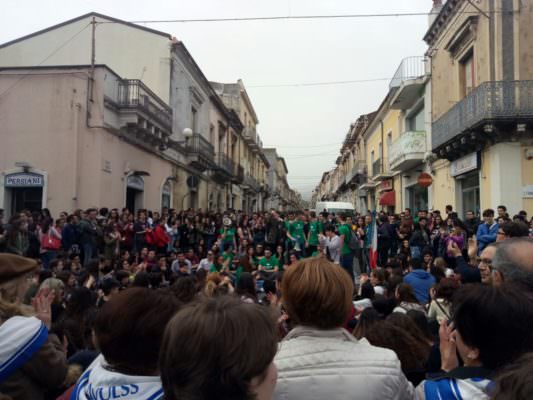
x,y
187,132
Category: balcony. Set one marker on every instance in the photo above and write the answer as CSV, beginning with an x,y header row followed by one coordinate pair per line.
x,y
200,153
251,138
380,170
496,111
251,184
357,174
408,82
140,113
223,172
238,175
407,151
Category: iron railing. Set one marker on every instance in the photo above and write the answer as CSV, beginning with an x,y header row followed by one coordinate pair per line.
x,y
358,169
197,144
376,167
408,143
135,94
225,163
239,173
487,102
251,182
409,68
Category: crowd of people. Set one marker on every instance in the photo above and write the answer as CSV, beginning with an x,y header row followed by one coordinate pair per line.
x,y
107,304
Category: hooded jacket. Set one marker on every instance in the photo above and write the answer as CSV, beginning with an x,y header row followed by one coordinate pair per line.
x,y
421,281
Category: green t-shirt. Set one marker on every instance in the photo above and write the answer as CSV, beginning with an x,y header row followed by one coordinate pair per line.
x,y
215,268
269,264
296,229
315,227
230,234
228,256
346,231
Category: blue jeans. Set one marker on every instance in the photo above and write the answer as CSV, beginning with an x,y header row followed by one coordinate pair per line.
x,y
347,263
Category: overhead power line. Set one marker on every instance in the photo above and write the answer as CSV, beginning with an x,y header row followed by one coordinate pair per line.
x,y
50,55
283,17
319,83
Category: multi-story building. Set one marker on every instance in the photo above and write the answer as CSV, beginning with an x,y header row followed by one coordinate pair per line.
x,y
150,94
277,180
481,59
255,190
56,154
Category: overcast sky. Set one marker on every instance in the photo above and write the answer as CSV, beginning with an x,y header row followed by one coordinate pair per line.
x,y
306,124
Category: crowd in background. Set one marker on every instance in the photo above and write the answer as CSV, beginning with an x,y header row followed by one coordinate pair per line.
x,y
201,305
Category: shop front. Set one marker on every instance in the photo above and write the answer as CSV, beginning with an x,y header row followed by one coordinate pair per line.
x,y
23,190
465,171
387,196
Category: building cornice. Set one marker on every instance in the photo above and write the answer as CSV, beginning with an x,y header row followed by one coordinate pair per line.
x,y
447,12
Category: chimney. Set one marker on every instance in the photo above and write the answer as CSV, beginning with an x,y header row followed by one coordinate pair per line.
x,y
437,6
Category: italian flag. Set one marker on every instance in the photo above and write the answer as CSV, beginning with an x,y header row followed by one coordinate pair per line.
x,y
373,250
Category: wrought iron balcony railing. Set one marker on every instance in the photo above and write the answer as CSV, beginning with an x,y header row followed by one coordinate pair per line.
x,y
376,167
225,163
133,93
488,102
196,144
409,68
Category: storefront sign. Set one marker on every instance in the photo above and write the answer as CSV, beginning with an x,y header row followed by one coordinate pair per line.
x,y
24,179
527,192
385,185
464,164
425,179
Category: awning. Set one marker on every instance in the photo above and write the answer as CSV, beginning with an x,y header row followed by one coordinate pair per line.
x,y
388,198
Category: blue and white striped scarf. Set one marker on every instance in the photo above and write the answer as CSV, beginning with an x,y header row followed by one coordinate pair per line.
x,y
20,339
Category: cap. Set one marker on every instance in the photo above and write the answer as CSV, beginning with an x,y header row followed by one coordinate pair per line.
x,y
13,267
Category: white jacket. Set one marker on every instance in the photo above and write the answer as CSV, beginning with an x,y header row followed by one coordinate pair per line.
x,y
331,364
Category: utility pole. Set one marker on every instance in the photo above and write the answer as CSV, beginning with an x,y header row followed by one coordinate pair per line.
x,y
93,56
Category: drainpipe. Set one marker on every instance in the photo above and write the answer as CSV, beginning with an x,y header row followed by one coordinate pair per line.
x,y
76,154
382,148
382,159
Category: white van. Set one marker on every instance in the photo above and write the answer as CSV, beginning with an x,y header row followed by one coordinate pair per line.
x,y
335,207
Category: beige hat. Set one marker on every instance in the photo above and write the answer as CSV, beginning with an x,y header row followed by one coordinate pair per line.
x,y
13,267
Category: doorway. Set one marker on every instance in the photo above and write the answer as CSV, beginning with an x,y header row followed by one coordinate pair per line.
x,y
418,198
26,198
470,200
134,193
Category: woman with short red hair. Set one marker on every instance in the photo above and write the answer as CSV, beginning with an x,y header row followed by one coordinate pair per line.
x,y
319,359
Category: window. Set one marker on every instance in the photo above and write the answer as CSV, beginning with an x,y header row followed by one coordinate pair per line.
x,y
417,121
372,156
380,151
467,74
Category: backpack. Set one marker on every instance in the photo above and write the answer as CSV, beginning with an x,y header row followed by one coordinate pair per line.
x,y
354,243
